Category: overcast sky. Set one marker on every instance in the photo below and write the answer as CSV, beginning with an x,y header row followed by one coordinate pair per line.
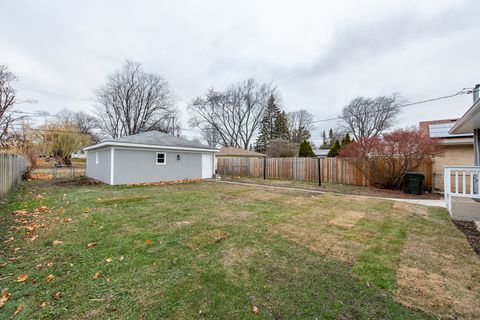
x,y
320,54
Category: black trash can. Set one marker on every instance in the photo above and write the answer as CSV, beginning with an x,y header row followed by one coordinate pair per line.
x,y
413,182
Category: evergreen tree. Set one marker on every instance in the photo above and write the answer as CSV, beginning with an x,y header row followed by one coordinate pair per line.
x,y
330,137
272,125
281,127
324,137
346,140
334,149
306,150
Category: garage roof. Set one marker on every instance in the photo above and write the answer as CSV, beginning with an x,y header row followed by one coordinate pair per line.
x,y
153,139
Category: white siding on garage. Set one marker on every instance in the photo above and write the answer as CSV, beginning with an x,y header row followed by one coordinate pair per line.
x,y
140,166
101,170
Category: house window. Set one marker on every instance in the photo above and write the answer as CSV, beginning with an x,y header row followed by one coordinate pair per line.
x,y
161,158
96,157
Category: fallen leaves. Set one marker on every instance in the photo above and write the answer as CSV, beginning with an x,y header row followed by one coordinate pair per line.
x,y
165,183
108,260
86,210
43,305
97,275
57,242
4,297
255,310
18,310
91,245
49,264
22,277
148,242
50,277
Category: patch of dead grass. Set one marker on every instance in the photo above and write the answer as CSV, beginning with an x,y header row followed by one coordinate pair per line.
x,y
348,219
205,238
236,256
440,274
422,289
314,231
183,223
226,217
410,208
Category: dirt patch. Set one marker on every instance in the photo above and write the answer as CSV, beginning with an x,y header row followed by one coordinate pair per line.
x,y
78,182
422,289
348,219
206,238
471,232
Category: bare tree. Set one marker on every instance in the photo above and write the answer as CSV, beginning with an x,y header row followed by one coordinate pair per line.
x,y
281,148
84,123
234,114
211,136
170,125
7,101
134,101
300,125
367,118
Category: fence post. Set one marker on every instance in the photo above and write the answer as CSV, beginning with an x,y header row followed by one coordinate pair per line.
x,y
264,168
319,173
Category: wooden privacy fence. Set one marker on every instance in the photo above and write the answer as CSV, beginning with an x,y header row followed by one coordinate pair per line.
x,y
12,168
334,170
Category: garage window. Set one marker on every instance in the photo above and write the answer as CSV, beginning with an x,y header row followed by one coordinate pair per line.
x,y
161,158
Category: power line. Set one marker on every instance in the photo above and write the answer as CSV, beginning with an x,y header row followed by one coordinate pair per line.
x,y
461,92
53,94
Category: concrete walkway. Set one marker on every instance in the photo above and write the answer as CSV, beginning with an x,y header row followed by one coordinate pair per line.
x,y
423,202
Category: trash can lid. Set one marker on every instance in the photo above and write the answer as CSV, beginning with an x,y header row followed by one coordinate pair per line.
x,y
418,174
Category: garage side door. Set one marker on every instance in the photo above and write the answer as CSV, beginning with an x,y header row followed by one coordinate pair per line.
x,y
207,165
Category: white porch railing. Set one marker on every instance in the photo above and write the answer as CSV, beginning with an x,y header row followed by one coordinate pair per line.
x,y
461,181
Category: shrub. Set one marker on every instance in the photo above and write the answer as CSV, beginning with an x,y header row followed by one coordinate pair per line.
x,y
385,160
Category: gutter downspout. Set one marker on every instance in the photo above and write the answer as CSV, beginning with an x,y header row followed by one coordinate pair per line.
x,y
476,147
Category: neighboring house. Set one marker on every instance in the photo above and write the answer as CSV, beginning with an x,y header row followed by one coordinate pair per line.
x,y
151,156
234,152
321,153
462,183
457,149
79,155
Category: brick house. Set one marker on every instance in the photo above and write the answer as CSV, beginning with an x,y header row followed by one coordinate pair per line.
x,y
457,149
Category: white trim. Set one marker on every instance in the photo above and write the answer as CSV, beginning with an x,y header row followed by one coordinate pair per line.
x,y
148,146
164,158
112,162
463,121
96,157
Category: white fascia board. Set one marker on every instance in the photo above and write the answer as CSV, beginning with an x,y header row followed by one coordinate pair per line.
x,y
146,146
461,126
